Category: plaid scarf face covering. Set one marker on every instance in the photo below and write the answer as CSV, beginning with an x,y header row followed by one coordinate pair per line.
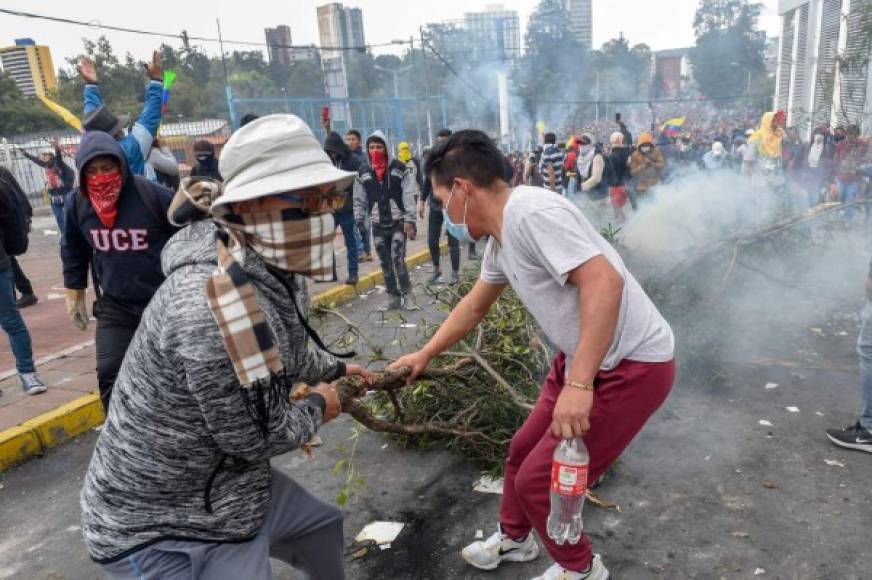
x,y
285,239
289,240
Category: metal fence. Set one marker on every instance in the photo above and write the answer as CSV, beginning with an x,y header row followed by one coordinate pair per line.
x,y
413,119
179,137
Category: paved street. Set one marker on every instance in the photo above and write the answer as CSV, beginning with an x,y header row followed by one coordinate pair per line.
x,y
705,491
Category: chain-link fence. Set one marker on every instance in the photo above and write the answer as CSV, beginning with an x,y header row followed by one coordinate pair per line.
x,y
21,154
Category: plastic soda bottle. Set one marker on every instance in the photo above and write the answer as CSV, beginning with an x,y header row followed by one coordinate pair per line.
x,y
568,486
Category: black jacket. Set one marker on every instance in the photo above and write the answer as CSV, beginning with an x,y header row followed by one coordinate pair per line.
x,y
11,194
7,220
344,159
618,159
127,256
208,168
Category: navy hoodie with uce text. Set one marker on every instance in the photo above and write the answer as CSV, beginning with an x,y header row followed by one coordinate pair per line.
x,y
126,256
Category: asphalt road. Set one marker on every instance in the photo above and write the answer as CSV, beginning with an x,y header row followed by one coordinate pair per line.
x,y
704,491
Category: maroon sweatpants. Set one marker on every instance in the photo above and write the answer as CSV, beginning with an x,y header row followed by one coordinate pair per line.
x,y
623,401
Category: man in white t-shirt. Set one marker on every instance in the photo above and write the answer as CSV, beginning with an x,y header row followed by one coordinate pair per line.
x,y
616,363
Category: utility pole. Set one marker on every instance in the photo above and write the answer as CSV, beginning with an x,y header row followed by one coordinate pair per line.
x,y
426,88
228,93
597,96
417,105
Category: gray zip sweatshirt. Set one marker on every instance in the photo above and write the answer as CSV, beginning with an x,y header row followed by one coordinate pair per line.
x,y
184,454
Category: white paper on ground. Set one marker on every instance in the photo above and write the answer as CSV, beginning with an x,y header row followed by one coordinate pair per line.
x,y
771,386
759,572
382,533
50,232
479,534
834,463
793,409
765,423
488,484
55,296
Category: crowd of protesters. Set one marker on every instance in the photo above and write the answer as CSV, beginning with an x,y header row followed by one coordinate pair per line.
x,y
202,301
605,162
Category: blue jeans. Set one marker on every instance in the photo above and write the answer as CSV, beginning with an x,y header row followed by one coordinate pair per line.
x,y
848,194
864,347
13,325
58,210
364,234
345,221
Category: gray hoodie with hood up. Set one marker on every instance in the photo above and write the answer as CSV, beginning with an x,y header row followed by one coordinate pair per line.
x,y
396,170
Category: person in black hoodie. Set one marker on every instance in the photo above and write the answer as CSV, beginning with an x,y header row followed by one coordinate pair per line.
x,y
207,163
618,159
13,240
343,158
118,223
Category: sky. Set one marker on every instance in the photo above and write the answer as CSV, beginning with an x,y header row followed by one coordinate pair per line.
x,y
659,23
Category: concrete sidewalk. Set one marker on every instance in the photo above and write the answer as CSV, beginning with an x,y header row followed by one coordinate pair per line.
x,y
66,359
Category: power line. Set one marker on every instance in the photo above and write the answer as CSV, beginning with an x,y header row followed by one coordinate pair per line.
x,y
185,37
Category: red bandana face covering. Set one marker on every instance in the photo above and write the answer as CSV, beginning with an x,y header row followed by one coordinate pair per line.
x,y
379,163
103,190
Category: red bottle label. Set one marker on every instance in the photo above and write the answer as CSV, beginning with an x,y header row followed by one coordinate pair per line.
x,y
568,480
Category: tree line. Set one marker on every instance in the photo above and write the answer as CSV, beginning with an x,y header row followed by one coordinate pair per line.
x,y
552,74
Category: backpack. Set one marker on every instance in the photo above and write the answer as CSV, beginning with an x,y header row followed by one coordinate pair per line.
x,y
17,240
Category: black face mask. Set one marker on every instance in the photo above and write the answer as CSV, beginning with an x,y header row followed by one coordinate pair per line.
x,y
207,159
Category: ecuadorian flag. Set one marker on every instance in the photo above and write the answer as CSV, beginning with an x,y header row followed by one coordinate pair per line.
x,y
672,127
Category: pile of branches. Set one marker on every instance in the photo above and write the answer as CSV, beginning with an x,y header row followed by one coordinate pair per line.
x,y
472,399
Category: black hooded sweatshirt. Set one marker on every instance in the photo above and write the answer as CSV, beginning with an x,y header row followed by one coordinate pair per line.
x,y
127,256
343,158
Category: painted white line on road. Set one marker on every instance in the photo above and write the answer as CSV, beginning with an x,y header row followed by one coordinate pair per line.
x,y
50,357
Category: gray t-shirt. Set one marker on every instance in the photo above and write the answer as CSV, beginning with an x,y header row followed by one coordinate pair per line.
x,y
544,238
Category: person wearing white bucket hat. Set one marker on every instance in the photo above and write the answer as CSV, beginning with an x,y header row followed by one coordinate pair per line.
x,y
180,478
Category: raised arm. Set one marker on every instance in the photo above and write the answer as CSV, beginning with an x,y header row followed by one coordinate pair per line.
x,y
145,128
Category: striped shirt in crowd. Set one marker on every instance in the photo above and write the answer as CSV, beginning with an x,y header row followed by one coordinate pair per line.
x,y
554,156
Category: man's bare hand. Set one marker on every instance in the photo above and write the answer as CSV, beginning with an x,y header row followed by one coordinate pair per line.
x,y
333,407
417,361
421,206
571,416
87,70
154,70
411,231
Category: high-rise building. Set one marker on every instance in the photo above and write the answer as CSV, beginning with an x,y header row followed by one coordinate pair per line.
x,y
30,66
581,21
354,27
339,29
278,43
494,34
810,85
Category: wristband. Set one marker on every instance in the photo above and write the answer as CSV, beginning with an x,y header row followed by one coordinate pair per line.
x,y
579,386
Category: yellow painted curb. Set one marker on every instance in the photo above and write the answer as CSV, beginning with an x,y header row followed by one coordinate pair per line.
x,y
33,437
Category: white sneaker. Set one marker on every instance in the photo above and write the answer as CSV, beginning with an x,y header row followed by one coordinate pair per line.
x,y
498,548
31,383
597,571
